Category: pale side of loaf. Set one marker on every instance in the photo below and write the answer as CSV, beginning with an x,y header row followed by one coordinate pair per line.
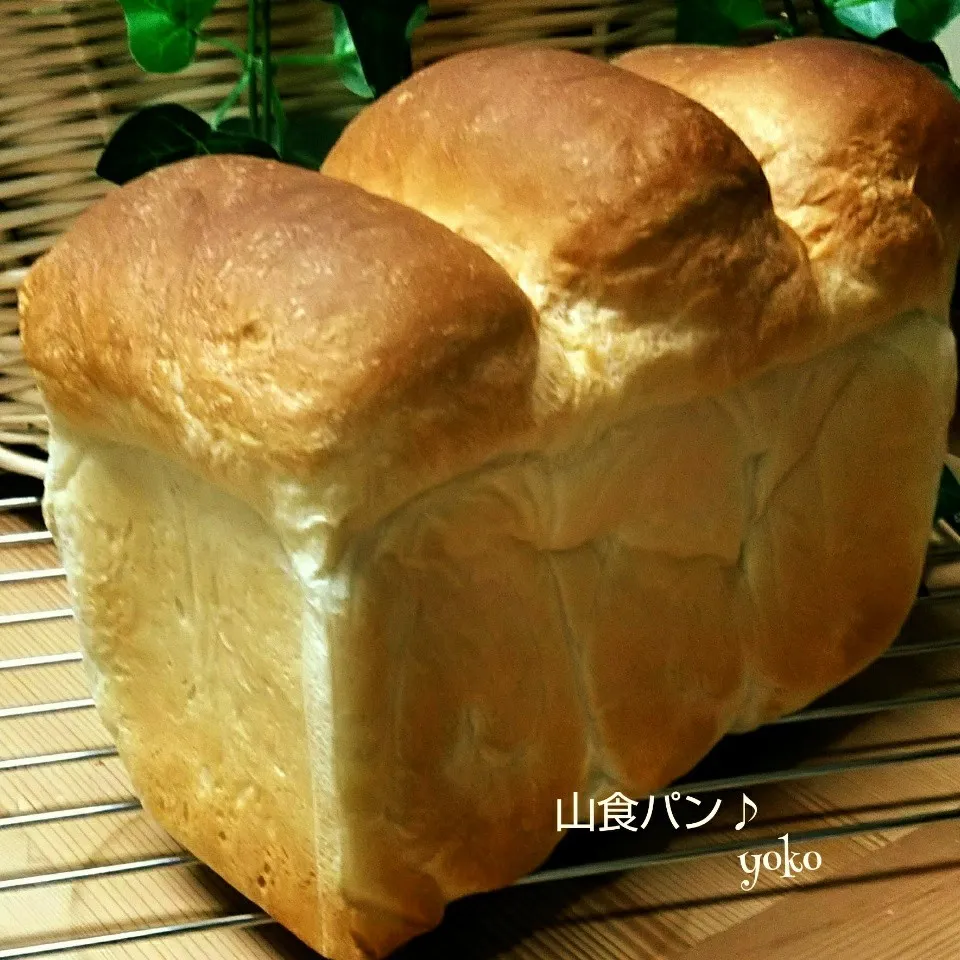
x,y
376,557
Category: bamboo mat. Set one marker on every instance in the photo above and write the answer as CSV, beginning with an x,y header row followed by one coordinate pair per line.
x,y
882,895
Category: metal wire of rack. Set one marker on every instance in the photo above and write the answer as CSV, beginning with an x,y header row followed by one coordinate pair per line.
x,y
56,758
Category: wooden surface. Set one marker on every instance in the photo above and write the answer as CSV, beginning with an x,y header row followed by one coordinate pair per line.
x,y
881,895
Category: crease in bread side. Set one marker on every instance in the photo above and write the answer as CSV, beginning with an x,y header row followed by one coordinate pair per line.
x,y
914,337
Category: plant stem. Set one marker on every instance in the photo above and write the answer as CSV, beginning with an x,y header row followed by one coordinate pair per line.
x,y
790,8
253,101
823,16
224,44
267,76
280,120
231,100
310,59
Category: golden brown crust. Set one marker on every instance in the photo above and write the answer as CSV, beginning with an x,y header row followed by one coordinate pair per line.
x,y
241,314
595,188
862,151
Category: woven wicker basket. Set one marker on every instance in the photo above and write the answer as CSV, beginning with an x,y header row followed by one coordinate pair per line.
x,y
68,80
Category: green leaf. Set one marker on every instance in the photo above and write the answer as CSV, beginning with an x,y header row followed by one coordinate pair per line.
x,y
417,20
924,19
944,75
720,21
234,136
150,138
869,18
948,499
310,135
379,32
829,23
348,62
163,33
235,126
245,143
159,135
743,13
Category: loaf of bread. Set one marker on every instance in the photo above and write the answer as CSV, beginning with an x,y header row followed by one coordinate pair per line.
x,y
574,416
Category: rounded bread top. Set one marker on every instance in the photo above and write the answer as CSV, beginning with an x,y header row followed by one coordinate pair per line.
x,y
862,151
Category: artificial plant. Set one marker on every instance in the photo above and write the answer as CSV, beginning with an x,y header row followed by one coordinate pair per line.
x,y
370,51
907,26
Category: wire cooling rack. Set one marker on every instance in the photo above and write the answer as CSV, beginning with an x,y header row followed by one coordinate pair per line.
x,y
42,700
